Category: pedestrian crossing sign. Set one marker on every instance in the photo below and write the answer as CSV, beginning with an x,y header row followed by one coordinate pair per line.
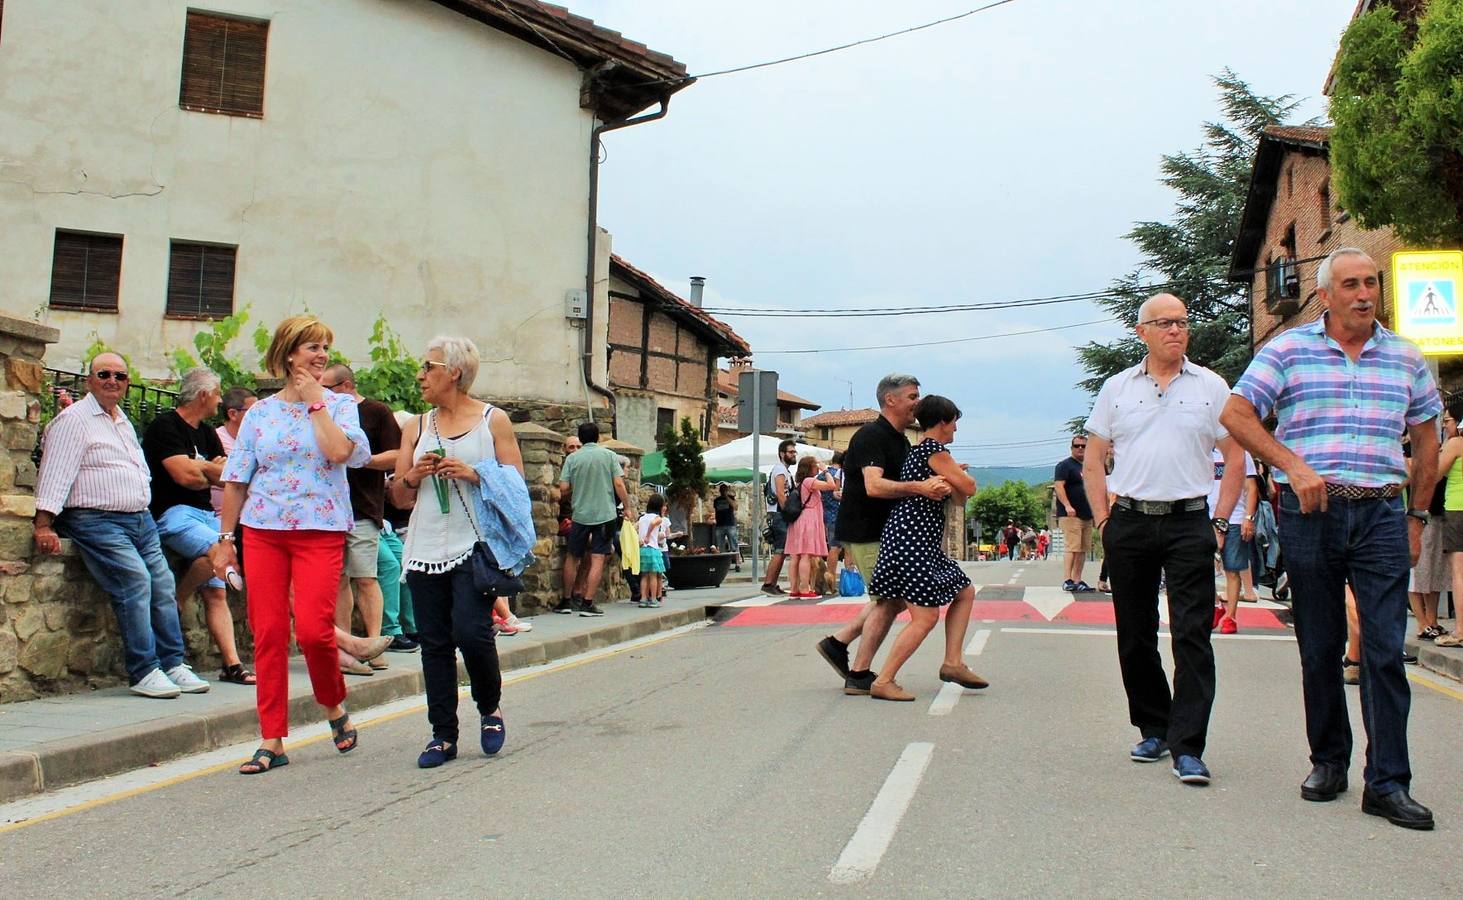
x,y
1426,288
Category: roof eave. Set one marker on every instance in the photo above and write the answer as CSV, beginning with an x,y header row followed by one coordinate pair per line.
x,y
1264,178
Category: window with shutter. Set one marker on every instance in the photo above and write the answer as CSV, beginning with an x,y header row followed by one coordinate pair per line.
x,y
86,271
200,281
223,65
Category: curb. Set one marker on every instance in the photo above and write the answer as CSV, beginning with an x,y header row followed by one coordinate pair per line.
x,y
111,751
1437,659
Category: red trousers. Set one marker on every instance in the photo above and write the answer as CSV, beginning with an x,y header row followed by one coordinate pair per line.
x,y
310,562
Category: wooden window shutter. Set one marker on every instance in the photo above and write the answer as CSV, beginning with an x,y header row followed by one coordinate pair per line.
x,y
223,65
200,281
86,271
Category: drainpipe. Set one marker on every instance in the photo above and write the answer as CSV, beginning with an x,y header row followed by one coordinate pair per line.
x,y
586,358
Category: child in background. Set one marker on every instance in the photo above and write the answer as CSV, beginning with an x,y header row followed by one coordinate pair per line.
x,y
654,531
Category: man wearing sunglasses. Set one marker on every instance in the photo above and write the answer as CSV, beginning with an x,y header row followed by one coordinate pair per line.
x,y
94,488
1161,417
1074,516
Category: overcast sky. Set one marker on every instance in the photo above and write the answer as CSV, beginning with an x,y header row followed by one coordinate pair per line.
x,y
999,157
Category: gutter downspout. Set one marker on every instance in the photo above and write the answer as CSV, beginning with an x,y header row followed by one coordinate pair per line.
x,y
586,358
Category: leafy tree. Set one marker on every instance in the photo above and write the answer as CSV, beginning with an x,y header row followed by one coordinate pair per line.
x,y
392,375
1397,101
212,344
685,469
1010,501
1189,256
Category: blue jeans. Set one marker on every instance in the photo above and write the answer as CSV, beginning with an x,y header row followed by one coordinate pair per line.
x,y
189,532
1363,543
123,554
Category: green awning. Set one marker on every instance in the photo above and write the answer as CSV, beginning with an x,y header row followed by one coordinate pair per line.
x,y
652,467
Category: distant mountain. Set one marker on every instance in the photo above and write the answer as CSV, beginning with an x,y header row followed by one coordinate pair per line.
x,y
990,476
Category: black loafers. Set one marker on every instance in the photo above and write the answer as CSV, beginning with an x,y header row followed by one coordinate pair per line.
x,y
1324,783
1398,808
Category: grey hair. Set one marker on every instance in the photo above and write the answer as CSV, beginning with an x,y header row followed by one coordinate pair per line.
x,y
1323,271
1143,310
458,353
196,382
892,382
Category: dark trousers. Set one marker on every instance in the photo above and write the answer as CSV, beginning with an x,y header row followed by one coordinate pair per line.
x,y
1363,542
1140,549
452,616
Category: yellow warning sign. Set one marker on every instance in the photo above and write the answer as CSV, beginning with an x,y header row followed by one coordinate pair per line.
x,y
1425,289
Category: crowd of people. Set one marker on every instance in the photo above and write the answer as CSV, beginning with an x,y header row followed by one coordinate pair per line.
x,y
329,506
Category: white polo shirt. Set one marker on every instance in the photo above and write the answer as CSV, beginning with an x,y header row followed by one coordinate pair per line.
x,y
1162,439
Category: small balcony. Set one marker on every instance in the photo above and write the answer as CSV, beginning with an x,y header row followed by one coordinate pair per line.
x,y
1282,288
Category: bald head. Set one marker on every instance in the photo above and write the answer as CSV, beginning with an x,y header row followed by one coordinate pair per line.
x,y
1150,308
108,361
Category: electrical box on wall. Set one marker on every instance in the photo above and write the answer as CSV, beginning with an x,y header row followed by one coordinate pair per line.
x,y
576,304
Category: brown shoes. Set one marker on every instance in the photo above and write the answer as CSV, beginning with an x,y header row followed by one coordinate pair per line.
x,y
962,676
889,691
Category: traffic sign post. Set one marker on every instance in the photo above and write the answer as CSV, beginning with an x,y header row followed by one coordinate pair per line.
x,y
1426,287
756,409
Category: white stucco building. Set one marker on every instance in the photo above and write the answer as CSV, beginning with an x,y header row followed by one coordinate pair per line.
x,y
166,161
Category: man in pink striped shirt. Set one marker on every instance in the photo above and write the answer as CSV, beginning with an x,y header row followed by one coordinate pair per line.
x,y
94,488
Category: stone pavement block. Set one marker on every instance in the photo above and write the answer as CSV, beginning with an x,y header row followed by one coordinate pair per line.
x,y
20,776
1442,660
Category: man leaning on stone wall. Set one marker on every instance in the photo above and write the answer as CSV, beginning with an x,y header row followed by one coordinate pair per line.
x,y
94,488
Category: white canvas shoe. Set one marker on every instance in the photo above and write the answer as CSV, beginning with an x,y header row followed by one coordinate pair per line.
x,y
187,682
520,624
155,684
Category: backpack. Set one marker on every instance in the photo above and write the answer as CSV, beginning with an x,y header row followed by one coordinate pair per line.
x,y
790,508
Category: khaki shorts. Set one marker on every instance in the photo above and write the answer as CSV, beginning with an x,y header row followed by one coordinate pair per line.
x,y
361,546
1077,532
863,557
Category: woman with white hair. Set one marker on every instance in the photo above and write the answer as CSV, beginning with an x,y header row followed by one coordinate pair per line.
x,y
440,476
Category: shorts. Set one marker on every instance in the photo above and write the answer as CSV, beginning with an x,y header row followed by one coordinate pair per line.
x,y
652,561
862,556
1452,532
1078,533
776,531
1236,552
362,545
1431,574
190,532
598,540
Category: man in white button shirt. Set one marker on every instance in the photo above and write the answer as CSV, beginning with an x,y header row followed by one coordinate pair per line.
x,y
94,488
1161,417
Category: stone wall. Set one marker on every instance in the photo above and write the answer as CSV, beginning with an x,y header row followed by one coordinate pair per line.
x,y
543,459
57,631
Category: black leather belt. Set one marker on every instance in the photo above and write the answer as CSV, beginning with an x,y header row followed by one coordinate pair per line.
x,y
1162,507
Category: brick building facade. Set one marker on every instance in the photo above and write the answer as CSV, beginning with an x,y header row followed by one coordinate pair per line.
x,y
663,358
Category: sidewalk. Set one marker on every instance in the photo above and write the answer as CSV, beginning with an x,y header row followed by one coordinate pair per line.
x,y
57,741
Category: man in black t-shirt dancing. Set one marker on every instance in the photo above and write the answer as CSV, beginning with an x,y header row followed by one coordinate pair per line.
x,y
871,485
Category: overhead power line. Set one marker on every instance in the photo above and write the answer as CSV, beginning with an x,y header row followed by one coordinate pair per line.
x,y
981,337
809,55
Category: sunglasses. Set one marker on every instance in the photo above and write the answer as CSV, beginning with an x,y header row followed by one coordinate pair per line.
x,y
108,375
1079,446
429,364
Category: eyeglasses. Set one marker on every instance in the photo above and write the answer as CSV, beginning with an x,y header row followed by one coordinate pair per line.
x,y
1079,446
331,387
1166,324
108,375
429,364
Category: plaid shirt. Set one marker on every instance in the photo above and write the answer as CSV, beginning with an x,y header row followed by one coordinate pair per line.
x,y
1344,418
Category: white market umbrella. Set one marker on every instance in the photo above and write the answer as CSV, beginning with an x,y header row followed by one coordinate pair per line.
x,y
737,454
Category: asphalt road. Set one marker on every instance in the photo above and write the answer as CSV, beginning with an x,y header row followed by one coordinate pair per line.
x,y
725,761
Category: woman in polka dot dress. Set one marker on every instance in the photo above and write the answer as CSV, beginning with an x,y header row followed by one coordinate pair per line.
x,y
913,568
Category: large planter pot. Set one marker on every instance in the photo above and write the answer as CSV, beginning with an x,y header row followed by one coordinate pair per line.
x,y
698,571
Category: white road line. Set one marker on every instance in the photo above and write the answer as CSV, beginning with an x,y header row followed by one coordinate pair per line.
x,y
1109,632
758,600
862,853
977,642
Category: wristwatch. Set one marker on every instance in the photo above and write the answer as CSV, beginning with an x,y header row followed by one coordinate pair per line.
x,y
315,407
1421,515
1220,525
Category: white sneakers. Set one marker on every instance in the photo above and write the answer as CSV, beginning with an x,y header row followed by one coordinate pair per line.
x,y
182,675
156,685
178,680
520,624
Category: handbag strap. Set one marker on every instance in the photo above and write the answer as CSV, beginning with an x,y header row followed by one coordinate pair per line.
x,y
453,481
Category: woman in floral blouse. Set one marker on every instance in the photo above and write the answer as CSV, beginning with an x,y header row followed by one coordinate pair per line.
x,y
285,480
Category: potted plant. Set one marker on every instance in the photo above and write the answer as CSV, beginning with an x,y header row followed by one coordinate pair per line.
x,y
688,566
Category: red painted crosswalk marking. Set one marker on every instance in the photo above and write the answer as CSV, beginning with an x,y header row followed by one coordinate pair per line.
x,y
1087,612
